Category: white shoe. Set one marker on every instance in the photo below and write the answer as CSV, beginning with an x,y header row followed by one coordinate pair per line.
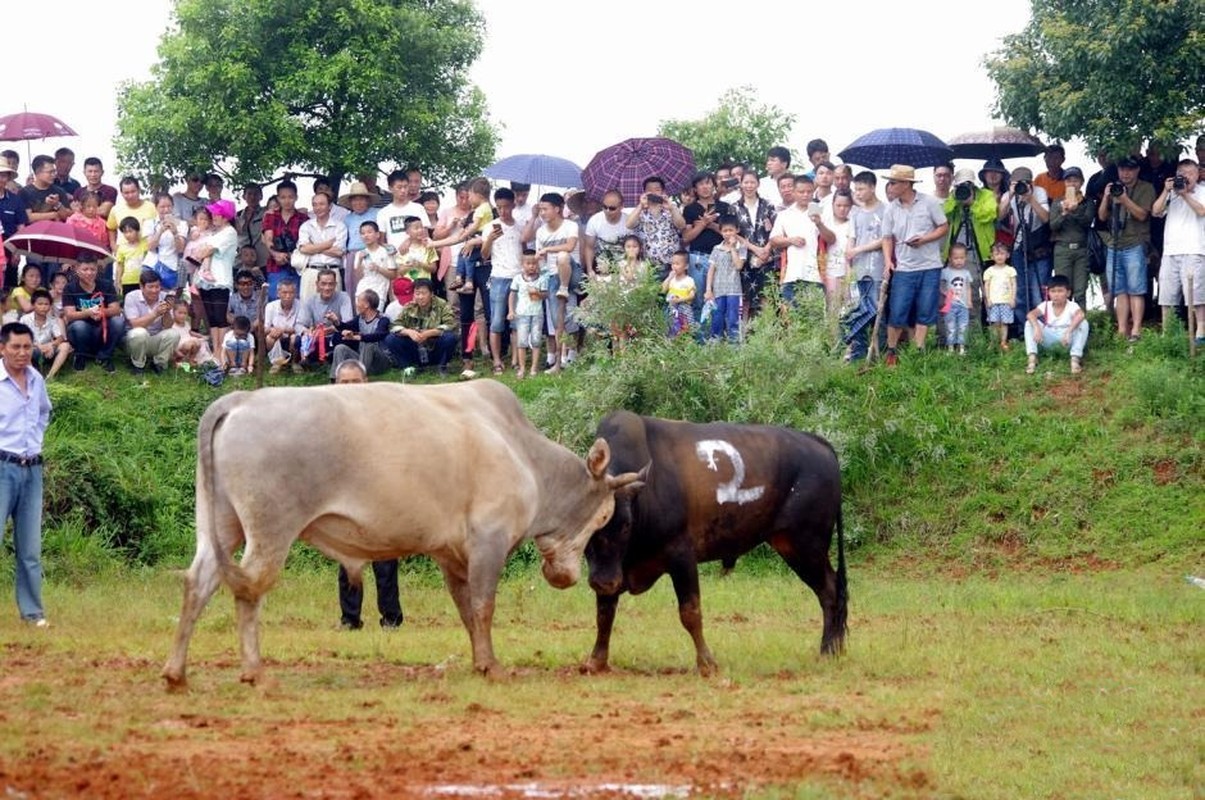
x,y
41,623
571,356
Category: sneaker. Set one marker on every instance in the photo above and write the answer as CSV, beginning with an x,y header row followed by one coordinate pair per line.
x,y
571,356
1133,338
467,374
350,624
157,368
298,369
391,624
1077,366
962,351
139,372
563,292
443,370
42,623
78,363
891,359
275,369
1031,365
107,365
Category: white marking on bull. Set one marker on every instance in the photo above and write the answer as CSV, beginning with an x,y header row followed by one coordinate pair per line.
x,y
730,492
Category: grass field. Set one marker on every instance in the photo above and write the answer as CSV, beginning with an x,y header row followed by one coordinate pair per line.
x,y
1050,684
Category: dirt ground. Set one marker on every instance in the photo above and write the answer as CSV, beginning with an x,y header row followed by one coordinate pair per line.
x,y
121,736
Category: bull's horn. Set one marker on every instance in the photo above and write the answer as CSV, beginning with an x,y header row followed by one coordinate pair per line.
x,y
632,480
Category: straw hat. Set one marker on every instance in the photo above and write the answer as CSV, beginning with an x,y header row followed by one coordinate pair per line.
x,y
901,172
9,166
357,189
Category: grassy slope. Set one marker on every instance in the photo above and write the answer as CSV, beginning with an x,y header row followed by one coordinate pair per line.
x,y
964,459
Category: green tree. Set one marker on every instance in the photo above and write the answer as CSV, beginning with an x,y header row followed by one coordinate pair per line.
x,y
740,129
251,87
1114,72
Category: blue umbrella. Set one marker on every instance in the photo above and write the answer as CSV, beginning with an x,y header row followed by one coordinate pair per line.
x,y
543,170
884,147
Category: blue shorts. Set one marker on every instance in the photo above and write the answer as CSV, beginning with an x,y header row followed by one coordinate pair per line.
x,y
499,298
1129,276
909,290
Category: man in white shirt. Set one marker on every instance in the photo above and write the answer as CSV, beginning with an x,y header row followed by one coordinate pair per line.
x,y
524,211
149,331
322,241
392,218
1182,201
503,248
778,162
605,232
798,229
556,247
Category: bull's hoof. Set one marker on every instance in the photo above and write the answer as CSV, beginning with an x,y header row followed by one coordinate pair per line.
x,y
175,681
490,670
594,666
708,669
251,676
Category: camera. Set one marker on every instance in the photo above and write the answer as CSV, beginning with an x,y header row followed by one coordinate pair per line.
x,y
1179,183
1022,188
1117,190
964,192
654,198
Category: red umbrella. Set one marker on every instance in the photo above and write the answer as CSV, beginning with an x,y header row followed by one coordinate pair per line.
x,y
51,240
624,166
31,125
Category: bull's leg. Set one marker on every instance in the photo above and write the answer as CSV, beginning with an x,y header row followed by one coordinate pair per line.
x,y
200,582
486,558
814,569
458,587
248,631
690,611
605,607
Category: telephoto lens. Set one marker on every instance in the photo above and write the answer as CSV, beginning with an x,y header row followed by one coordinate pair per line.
x,y
963,192
1021,188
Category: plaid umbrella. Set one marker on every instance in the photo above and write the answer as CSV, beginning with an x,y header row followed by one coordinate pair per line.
x,y
51,240
540,170
626,165
884,147
999,143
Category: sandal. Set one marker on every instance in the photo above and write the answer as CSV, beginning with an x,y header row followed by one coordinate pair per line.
x,y
1032,366
499,369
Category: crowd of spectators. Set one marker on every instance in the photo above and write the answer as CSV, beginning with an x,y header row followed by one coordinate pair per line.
x,y
389,278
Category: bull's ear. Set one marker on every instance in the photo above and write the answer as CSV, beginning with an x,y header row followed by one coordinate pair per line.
x,y
598,458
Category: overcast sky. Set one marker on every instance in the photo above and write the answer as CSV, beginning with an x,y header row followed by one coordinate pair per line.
x,y
571,79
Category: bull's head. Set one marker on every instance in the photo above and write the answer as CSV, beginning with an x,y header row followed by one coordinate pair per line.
x,y
608,546
563,554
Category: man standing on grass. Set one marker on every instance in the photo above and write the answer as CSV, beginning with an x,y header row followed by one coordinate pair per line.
x,y
24,416
914,226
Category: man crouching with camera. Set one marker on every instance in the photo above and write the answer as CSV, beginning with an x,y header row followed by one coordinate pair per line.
x,y
1182,270
1126,207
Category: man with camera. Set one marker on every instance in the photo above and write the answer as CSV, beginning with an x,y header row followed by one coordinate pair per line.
x,y
1182,269
1126,207
1026,207
1071,219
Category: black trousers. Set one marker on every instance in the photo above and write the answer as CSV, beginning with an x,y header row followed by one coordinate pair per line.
x,y
389,604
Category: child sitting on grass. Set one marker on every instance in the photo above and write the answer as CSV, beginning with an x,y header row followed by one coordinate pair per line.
x,y
49,341
238,347
1000,292
1057,322
193,349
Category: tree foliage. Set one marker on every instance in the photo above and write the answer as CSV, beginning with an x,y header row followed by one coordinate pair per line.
x,y
330,86
740,129
1114,72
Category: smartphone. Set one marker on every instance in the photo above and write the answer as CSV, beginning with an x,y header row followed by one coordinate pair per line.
x,y
731,183
655,198
813,209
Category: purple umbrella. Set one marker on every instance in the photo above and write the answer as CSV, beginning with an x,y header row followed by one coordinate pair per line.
x,y
626,165
885,147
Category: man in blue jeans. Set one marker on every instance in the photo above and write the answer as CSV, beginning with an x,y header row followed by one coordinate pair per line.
x,y
914,227
1125,208
24,415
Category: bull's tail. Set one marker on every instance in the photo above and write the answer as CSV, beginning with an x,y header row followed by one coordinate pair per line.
x,y
841,610
232,574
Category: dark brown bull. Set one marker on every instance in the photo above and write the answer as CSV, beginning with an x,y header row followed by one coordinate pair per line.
x,y
714,492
